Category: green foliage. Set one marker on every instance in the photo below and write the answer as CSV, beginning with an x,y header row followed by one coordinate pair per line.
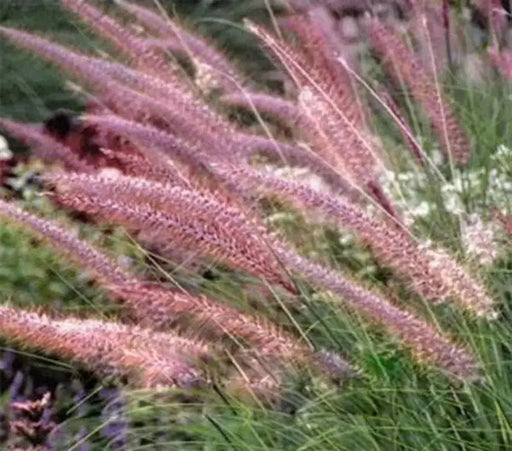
x,y
30,89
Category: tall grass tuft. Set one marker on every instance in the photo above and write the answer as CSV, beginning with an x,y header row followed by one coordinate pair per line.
x,y
341,254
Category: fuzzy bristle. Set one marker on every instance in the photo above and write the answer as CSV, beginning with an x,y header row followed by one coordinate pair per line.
x,y
147,358
403,64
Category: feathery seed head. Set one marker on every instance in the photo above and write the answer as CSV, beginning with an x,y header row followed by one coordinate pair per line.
x,y
331,106
146,358
44,146
189,218
460,285
207,59
425,343
104,268
403,64
142,55
433,277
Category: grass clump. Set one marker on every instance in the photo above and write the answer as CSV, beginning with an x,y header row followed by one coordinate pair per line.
x,y
324,265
